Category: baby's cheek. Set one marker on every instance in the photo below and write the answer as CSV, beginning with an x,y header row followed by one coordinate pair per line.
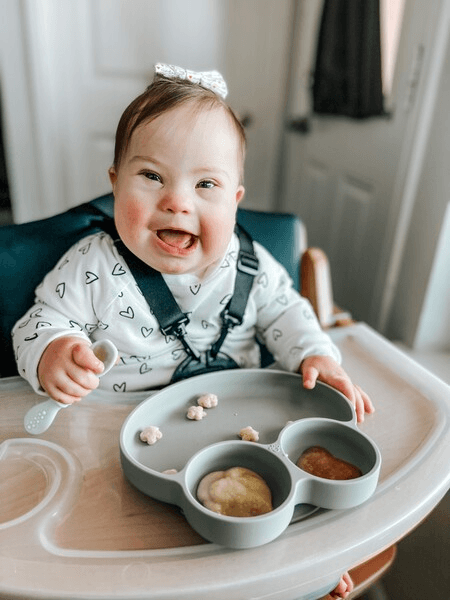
x,y
131,219
218,237
135,214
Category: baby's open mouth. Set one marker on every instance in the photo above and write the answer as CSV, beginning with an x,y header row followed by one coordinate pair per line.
x,y
176,238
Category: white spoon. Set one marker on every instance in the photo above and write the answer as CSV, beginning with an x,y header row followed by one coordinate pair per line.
x,y
39,418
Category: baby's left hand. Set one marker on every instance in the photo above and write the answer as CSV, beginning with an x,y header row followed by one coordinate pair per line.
x,y
326,369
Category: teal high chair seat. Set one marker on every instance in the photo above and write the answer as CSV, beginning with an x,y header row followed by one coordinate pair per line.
x,y
29,250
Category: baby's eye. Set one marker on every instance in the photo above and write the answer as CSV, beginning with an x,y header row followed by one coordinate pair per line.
x,y
151,175
206,183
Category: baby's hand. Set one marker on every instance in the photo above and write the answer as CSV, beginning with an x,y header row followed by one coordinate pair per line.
x,y
68,369
326,369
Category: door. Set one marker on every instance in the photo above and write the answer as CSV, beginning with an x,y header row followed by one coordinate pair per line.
x,y
344,177
81,63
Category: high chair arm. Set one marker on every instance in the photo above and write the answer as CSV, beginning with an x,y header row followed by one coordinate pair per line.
x,y
315,284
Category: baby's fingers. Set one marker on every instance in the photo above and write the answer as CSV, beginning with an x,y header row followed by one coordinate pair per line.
x,y
367,402
61,396
64,389
309,375
83,356
357,397
363,404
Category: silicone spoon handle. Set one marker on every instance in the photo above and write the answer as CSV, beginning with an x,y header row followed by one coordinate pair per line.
x,y
39,418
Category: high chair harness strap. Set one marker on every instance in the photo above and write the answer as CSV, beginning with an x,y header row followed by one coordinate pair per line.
x,y
172,320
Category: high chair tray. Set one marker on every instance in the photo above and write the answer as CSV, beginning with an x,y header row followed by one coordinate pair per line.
x,y
73,527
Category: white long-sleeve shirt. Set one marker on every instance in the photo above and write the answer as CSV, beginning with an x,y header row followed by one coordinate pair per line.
x,y
92,294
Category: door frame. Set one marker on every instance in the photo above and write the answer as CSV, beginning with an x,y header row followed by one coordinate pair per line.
x,y
424,84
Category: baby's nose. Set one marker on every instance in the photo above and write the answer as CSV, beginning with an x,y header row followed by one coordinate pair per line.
x,y
176,202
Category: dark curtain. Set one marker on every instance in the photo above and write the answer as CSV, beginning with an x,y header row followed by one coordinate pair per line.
x,y
347,75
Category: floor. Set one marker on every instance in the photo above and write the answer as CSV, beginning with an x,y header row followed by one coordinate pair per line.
x,y
422,567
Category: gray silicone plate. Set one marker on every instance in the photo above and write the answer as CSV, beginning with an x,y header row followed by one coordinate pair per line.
x,y
289,419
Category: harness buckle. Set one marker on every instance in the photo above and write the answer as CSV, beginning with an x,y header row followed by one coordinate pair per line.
x,y
178,329
247,263
229,320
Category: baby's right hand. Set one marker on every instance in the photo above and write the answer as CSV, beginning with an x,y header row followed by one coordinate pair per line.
x,y
68,370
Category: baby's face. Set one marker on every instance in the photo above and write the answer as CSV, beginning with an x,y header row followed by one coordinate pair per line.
x,y
177,189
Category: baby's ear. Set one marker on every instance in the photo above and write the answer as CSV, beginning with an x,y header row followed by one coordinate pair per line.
x,y
112,176
240,193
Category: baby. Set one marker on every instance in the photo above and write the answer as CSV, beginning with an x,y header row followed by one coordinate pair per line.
x,y
177,179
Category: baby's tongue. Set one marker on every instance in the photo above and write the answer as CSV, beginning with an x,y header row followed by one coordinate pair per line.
x,y
178,239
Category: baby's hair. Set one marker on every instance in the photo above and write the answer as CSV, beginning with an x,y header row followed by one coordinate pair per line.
x,y
162,95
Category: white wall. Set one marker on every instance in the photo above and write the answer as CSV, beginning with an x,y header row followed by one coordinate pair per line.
x,y
433,331
69,68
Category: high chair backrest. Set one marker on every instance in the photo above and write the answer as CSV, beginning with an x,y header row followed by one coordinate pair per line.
x,y
29,250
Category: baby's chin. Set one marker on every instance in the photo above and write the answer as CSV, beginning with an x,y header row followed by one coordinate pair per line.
x,y
199,270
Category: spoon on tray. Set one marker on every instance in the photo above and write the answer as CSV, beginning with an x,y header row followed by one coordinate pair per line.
x,y
39,418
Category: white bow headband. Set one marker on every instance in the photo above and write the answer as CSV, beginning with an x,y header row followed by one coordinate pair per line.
x,y
211,80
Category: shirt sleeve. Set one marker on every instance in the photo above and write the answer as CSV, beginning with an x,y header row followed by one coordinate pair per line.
x,y
287,324
63,307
